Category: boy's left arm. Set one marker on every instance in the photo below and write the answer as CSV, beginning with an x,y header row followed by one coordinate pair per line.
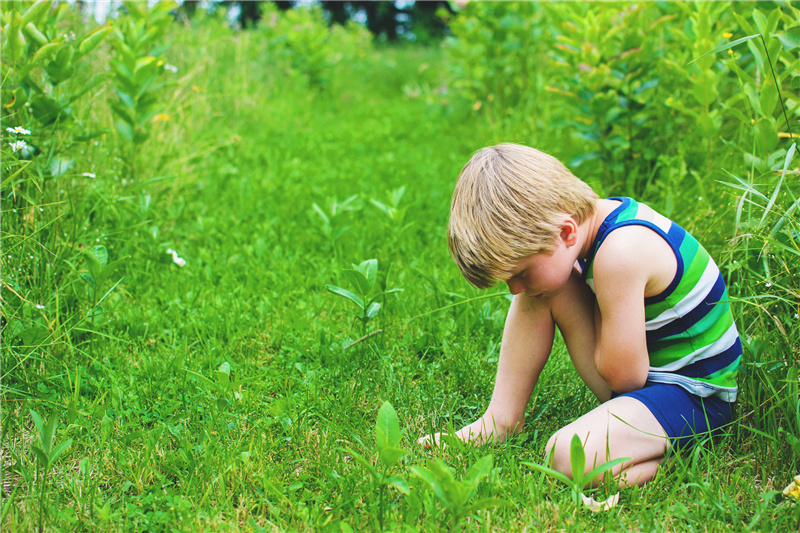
x,y
621,278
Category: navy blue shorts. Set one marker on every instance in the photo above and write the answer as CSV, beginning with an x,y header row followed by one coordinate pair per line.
x,y
683,415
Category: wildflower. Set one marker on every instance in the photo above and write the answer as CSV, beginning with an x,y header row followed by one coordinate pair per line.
x,y
171,68
89,175
18,145
793,489
181,262
727,35
768,285
18,130
39,306
161,117
595,506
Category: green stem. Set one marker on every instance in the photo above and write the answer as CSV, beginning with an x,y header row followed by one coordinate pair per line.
x,y
777,87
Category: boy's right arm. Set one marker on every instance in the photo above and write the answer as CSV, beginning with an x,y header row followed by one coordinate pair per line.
x,y
527,342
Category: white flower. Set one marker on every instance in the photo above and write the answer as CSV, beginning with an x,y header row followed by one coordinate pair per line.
x,y
768,285
171,68
39,306
595,506
176,259
18,145
19,130
89,175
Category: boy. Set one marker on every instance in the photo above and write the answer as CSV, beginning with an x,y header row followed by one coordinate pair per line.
x,y
641,306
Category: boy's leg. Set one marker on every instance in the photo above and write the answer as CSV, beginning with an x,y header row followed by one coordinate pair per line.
x,y
573,312
622,427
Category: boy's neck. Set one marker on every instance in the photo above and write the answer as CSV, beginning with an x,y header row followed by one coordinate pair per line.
x,y
588,230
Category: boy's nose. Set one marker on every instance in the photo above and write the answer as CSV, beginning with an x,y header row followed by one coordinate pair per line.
x,y
515,286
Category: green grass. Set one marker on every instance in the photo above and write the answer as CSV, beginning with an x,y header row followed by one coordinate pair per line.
x,y
231,181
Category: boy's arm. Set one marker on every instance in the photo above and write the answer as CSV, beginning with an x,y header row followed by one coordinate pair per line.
x,y
633,263
527,341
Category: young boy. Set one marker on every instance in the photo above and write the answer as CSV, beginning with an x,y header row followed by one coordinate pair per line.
x,y
641,306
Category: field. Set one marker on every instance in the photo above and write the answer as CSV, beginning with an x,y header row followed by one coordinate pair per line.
x,y
176,351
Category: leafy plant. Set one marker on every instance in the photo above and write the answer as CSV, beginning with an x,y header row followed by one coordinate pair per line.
x,y
47,453
455,495
136,72
363,278
580,478
387,439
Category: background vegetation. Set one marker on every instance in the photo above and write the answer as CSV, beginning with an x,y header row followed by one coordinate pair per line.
x,y
177,195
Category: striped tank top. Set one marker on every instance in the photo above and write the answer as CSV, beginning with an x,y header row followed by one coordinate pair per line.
x,y
692,340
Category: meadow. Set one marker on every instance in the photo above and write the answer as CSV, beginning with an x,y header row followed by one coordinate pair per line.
x,y
227,301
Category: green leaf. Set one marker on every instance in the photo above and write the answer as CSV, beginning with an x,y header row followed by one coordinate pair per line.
x,y
93,39
15,41
786,162
35,12
478,471
31,31
37,421
358,279
347,294
726,46
47,51
125,130
789,38
387,427
49,432
88,278
389,456
398,483
552,473
372,310
58,450
100,254
223,375
577,460
204,379
41,457
60,166
603,468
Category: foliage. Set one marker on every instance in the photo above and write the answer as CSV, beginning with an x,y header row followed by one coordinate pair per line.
x,y
362,278
579,478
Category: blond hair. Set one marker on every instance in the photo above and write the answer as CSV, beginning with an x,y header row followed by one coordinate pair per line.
x,y
510,201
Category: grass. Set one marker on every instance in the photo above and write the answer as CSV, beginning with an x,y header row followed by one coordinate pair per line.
x,y
232,179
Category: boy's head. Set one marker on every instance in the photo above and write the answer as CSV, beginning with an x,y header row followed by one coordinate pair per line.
x,y
510,202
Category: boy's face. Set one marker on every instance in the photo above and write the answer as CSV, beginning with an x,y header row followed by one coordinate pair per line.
x,y
542,275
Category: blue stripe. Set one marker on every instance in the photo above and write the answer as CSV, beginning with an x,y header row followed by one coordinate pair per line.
x,y
706,367
674,238
694,316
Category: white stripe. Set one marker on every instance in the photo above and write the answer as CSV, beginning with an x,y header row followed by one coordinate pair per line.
x,y
727,340
650,215
690,301
698,388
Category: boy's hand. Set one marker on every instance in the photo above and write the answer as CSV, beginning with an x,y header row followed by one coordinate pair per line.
x,y
479,432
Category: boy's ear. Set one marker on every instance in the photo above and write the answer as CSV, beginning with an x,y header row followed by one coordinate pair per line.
x,y
569,232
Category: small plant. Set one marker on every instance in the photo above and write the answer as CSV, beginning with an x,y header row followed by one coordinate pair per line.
x,y
329,227
387,438
47,453
580,478
363,278
455,495
136,72
222,385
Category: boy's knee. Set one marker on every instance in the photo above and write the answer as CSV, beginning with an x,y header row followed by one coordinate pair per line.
x,y
558,448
